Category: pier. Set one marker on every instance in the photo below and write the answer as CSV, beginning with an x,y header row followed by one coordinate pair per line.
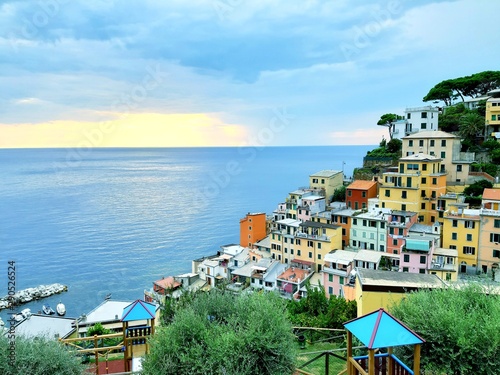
x,y
30,294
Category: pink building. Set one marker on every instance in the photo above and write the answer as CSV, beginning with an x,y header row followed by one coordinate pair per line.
x,y
398,228
417,254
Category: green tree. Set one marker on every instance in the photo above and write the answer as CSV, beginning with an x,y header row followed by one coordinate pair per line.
x,y
388,118
97,329
449,120
38,356
339,194
395,146
474,192
220,333
471,126
460,327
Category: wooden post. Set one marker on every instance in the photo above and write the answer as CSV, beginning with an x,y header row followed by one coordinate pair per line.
x,y
125,344
371,362
327,363
96,356
416,359
390,362
349,352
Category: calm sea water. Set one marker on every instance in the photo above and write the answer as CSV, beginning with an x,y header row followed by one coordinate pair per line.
x,y
114,220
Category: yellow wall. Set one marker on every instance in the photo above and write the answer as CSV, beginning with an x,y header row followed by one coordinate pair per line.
x,y
485,255
368,302
461,236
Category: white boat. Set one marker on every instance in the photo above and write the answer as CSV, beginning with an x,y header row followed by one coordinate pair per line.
x,y
61,309
47,310
26,313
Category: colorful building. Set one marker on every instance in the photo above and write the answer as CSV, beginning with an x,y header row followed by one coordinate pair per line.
x,y
368,231
309,206
444,264
326,181
282,240
414,186
358,193
337,267
343,217
445,146
398,227
489,243
461,228
417,254
493,114
252,229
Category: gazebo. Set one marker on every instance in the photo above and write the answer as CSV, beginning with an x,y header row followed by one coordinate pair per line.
x,y
135,338
380,330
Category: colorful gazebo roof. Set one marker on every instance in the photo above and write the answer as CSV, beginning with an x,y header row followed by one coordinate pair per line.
x,y
380,329
139,310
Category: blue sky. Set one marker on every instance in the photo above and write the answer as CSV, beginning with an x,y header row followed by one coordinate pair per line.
x,y
228,72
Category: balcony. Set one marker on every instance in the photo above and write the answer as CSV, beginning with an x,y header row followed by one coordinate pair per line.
x,y
335,271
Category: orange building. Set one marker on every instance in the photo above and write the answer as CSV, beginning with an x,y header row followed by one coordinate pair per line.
x,y
358,193
252,229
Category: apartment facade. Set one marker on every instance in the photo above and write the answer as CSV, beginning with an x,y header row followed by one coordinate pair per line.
x,y
493,114
415,186
489,243
252,229
358,193
327,181
368,231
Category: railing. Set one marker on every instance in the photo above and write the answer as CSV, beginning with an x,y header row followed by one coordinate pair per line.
x,y
384,364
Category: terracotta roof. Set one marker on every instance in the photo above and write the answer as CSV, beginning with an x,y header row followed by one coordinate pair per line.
x,y
361,185
492,194
167,283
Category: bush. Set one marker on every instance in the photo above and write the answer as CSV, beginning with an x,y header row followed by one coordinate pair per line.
x,y
39,356
219,333
460,327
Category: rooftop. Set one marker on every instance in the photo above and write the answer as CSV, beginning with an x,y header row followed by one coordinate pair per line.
x,y
491,194
46,326
361,185
108,310
446,252
398,279
167,283
431,134
340,256
294,275
325,173
420,157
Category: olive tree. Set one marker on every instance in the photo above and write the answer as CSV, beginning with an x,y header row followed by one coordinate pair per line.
x,y
460,326
220,333
37,356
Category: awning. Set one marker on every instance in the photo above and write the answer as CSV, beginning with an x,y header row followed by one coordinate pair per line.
x,y
343,261
259,268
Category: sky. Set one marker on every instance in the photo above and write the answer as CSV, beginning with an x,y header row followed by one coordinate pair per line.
x,y
177,73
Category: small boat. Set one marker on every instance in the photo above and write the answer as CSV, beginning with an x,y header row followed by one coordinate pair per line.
x,y
61,309
47,310
26,313
108,296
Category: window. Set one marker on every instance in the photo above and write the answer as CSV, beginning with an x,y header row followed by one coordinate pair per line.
x,y
424,167
443,154
395,242
382,225
408,116
297,241
433,219
469,224
497,223
315,180
422,206
330,278
319,256
433,206
423,125
413,167
405,269
424,180
421,270
496,253
310,244
349,193
421,143
363,194
406,258
310,254
319,246
291,251
354,221
403,194
434,180
286,250
403,207
495,237
423,115
344,232
387,193
453,247
493,117
469,250
298,253
365,222
330,290
432,143
459,168
454,223
410,143
322,180
363,205
443,143
421,218
423,259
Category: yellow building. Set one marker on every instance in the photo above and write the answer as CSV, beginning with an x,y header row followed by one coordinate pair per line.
x,y
445,146
282,240
415,186
489,243
374,289
493,114
461,232
444,264
316,239
328,181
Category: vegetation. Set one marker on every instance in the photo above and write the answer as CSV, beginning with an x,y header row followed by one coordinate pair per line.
x,y
388,118
474,192
471,126
391,149
460,327
220,333
38,356
339,194
470,86
316,310
490,168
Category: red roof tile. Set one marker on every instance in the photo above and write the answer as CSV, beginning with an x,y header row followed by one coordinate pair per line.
x,y
361,185
167,283
491,194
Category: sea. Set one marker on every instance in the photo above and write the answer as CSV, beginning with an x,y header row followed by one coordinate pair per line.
x,y
111,221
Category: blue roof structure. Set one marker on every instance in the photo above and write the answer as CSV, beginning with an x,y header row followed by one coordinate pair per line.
x,y
380,329
139,310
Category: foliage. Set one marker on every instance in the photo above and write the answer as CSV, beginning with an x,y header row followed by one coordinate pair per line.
x,y
339,194
472,86
449,120
489,168
220,333
495,156
491,144
460,327
38,356
388,118
471,126
394,146
391,149
474,192
316,310
97,329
